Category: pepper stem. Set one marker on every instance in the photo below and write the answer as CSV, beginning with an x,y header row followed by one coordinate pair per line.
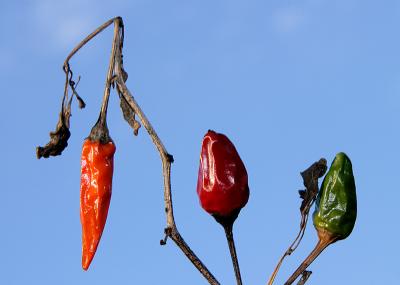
x,y
232,249
227,223
325,239
100,131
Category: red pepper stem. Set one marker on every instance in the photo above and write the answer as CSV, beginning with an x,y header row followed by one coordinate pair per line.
x,y
325,239
232,249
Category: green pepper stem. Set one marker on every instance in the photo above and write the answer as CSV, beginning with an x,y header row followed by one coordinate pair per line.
x,y
325,239
232,249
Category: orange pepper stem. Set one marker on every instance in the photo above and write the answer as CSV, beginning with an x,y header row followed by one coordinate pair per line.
x,y
100,132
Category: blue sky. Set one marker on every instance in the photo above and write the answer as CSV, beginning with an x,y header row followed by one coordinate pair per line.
x,y
288,82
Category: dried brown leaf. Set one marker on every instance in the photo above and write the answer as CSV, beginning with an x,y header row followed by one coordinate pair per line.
x,y
310,181
129,116
58,139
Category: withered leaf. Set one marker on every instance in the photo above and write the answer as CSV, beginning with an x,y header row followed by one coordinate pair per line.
x,y
129,115
58,139
310,181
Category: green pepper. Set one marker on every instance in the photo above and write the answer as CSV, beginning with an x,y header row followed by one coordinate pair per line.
x,y
335,209
336,205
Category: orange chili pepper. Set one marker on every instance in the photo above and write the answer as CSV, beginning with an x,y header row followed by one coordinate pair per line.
x,y
97,164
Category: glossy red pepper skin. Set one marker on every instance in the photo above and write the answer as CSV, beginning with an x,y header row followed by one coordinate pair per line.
x,y
97,165
222,184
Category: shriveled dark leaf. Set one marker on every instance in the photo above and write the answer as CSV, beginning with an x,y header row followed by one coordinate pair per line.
x,y
310,181
58,139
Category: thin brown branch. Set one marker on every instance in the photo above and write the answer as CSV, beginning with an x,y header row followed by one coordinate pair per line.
x,y
87,39
171,230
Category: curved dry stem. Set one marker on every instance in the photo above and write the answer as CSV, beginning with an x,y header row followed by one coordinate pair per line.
x,y
290,249
88,38
66,67
325,239
288,252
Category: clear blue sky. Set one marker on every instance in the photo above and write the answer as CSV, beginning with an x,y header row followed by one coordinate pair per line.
x,y
288,81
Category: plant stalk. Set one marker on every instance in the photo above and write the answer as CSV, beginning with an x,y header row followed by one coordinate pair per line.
x,y
325,239
232,249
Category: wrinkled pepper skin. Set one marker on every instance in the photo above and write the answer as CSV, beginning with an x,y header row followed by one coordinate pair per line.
x,y
336,204
222,184
97,165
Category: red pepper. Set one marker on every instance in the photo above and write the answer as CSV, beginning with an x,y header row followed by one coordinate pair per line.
x,y
97,165
222,184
